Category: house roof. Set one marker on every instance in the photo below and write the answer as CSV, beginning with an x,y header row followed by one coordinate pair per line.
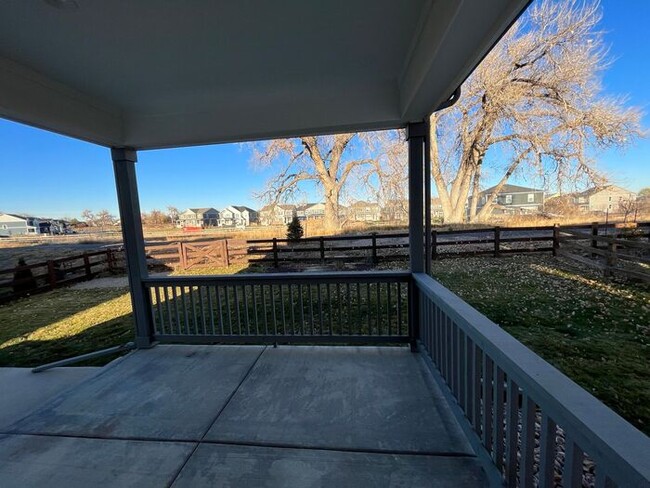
x,y
199,210
597,189
150,74
273,206
510,189
242,208
306,206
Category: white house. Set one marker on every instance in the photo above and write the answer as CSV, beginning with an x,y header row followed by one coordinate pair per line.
x,y
12,225
198,217
603,198
237,216
277,214
308,211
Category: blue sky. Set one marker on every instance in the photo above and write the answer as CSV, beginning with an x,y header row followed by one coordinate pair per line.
x,y
46,174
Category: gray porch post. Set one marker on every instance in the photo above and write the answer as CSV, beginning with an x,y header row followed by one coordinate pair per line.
x,y
415,135
427,200
127,198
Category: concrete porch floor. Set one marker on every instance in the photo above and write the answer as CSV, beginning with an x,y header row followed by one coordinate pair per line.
x,y
241,416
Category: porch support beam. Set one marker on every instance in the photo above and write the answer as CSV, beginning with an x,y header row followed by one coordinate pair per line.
x,y
427,199
124,160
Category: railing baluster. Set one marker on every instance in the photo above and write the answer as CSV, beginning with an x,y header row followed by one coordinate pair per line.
x,y
222,325
453,357
161,327
547,452
527,441
476,415
202,307
329,307
349,303
512,423
245,305
320,309
462,368
368,308
170,323
265,310
195,318
359,325
211,308
389,306
238,310
399,309
283,313
293,312
257,324
379,324
338,297
311,308
497,415
185,313
469,384
487,403
302,310
573,458
226,290
273,314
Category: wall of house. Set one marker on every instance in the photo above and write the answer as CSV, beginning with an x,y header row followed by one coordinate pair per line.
x,y
608,199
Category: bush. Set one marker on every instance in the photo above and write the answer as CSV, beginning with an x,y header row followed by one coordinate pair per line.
x,y
294,230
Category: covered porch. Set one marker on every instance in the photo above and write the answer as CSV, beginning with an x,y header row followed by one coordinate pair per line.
x,y
235,380
188,415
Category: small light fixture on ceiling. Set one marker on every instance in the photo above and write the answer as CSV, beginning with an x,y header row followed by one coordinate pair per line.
x,y
67,5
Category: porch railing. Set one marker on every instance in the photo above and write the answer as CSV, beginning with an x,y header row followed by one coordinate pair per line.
x,y
538,427
285,308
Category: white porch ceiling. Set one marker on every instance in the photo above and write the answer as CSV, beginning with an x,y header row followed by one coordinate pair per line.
x,y
151,73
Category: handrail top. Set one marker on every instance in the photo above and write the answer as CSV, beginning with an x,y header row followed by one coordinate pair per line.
x,y
608,434
246,278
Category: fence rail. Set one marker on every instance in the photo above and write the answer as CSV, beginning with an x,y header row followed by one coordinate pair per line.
x,y
54,273
535,424
604,251
294,307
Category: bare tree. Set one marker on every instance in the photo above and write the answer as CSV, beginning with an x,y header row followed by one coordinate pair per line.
x,y
628,206
534,107
172,213
155,217
104,219
329,161
88,217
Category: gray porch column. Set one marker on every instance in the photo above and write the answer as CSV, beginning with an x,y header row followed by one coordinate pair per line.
x,y
416,135
127,198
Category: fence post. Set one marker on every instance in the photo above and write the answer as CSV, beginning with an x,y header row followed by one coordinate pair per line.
x,y
594,232
226,253
556,238
109,261
374,248
497,241
87,264
275,252
322,250
611,259
434,244
182,252
51,274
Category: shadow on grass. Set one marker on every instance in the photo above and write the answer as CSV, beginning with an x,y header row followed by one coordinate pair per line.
x,y
30,353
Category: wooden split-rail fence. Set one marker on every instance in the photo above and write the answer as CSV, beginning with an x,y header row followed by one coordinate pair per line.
x,y
54,273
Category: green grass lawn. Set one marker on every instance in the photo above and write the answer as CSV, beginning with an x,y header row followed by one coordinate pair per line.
x,y
595,331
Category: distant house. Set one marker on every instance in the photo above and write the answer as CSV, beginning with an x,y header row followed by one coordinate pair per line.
x,y
603,198
513,199
198,217
363,211
277,214
310,211
238,216
13,225
396,210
